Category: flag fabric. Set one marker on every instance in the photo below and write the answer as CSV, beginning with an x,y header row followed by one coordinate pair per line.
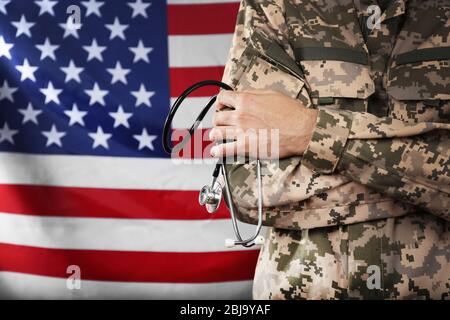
x,y
85,187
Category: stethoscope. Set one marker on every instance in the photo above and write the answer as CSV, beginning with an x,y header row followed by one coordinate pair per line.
x,y
210,195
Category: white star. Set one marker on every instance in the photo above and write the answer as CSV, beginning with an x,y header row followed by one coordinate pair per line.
x,y
72,72
3,4
30,114
139,8
6,134
27,71
46,6
51,93
120,118
118,73
22,26
143,96
54,136
92,7
6,92
145,140
70,29
47,49
100,138
95,51
97,95
141,52
75,115
117,29
4,48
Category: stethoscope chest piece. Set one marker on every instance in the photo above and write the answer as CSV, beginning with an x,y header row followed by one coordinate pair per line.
x,y
210,197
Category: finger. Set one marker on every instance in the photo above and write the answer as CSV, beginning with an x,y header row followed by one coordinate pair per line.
x,y
224,118
227,99
229,149
259,91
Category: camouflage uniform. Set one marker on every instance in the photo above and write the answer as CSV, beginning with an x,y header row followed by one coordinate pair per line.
x,y
372,190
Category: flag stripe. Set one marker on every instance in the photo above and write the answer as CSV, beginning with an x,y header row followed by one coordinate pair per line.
x,y
199,50
105,172
208,18
104,203
182,78
175,267
118,234
25,286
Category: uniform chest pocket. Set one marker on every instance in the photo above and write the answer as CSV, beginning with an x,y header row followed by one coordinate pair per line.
x,y
419,83
339,78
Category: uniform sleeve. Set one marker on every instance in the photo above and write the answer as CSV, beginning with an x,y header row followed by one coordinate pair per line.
x,y
408,161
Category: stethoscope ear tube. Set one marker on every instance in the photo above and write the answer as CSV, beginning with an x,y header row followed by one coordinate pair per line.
x,y
210,195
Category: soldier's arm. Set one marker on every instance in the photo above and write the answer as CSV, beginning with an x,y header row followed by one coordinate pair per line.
x,y
407,161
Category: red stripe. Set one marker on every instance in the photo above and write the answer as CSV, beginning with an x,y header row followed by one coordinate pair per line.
x,y
182,78
202,18
172,267
104,203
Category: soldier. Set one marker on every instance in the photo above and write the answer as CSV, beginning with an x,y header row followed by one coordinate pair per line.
x,y
358,207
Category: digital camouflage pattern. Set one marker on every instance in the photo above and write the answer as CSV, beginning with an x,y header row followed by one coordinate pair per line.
x,y
371,192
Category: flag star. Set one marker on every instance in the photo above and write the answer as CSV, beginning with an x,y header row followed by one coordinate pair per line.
x,y
70,29
4,48
3,4
23,27
92,7
6,92
51,93
53,136
72,72
75,115
145,140
100,138
46,6
95,51
121,118
117,29
118,73
30,114
7,134
143,96
141,52
97,95
47,50
139,8
27,71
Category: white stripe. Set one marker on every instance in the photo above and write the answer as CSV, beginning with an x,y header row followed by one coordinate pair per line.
x,y
199,50
24,286
199,1
189,111
118,234
104,172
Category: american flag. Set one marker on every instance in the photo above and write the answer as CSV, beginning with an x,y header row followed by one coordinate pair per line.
x,y
84,182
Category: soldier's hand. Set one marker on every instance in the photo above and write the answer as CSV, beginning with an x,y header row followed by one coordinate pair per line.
x,y
251,118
